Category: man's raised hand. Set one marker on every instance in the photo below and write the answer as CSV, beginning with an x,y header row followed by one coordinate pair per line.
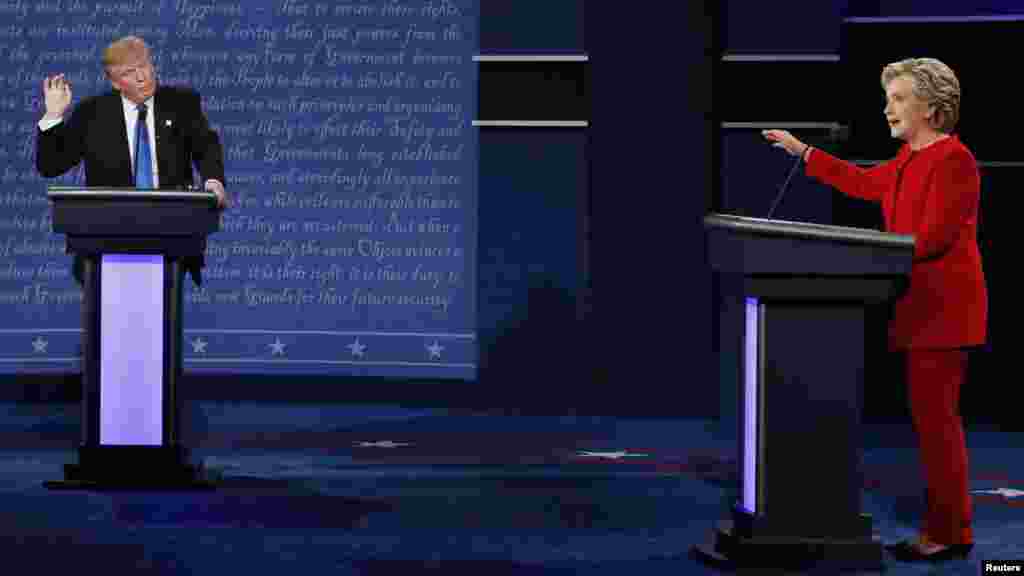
x,y
57,93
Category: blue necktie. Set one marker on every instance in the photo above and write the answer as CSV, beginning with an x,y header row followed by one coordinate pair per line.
x,y
143,158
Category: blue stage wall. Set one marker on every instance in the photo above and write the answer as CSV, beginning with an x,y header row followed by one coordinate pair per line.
x,y
351,157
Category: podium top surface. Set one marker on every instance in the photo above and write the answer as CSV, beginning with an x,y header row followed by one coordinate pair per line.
x,y
145,218
110,193
764,226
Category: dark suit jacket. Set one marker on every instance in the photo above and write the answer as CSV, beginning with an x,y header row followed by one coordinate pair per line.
x,y
95,134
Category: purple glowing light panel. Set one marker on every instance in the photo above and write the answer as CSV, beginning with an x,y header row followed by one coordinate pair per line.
x,y
131,349
750,388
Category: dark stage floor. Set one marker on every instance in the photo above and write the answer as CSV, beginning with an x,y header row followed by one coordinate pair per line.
x,y
375,489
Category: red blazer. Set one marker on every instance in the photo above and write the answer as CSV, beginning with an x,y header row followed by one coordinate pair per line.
x,y
932,193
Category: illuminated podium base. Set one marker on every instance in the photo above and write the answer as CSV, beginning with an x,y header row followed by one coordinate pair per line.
x,y
799,441
131,367
133,467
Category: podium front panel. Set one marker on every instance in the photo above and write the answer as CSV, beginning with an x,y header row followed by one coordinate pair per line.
x,y
131,349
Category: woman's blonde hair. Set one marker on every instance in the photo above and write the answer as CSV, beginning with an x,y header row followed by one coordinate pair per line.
x,y
934,83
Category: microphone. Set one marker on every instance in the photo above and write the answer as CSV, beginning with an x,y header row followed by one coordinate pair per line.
x,y
836,133
782,189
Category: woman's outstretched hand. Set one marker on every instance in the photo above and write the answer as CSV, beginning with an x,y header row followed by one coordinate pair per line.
x,y
786,141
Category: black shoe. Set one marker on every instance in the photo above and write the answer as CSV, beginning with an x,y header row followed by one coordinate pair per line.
x,y
906,552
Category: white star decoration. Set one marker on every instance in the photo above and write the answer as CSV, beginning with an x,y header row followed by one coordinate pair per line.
x,y
199,346
1004,492
277,347
617,455
358,349
381,444
39,345
435,350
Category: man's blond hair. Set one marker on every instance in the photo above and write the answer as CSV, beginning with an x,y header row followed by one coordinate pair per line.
x,y
119,51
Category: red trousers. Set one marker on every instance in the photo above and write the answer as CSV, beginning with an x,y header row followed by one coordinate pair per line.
x,y
934,378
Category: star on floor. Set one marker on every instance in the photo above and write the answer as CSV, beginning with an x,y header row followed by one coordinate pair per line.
x,y
381,444
39,345
1004,492
199,346
435,350
277,347
358,349
617,455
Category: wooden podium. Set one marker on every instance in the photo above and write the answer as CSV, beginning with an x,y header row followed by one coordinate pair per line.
x,y
806,287
132,245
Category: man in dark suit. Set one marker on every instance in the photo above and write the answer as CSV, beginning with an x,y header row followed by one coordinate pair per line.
x,y
164,126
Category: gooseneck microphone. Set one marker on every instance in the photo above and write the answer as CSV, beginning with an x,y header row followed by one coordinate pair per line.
x,y
837,133
782,189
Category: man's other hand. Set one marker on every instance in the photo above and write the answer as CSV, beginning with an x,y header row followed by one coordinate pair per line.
x,y
218,189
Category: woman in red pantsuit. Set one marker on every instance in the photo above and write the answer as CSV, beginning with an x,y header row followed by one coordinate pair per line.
x,y
931,190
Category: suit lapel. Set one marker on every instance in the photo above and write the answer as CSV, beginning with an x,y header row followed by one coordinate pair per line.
x,y
120,140
163,126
